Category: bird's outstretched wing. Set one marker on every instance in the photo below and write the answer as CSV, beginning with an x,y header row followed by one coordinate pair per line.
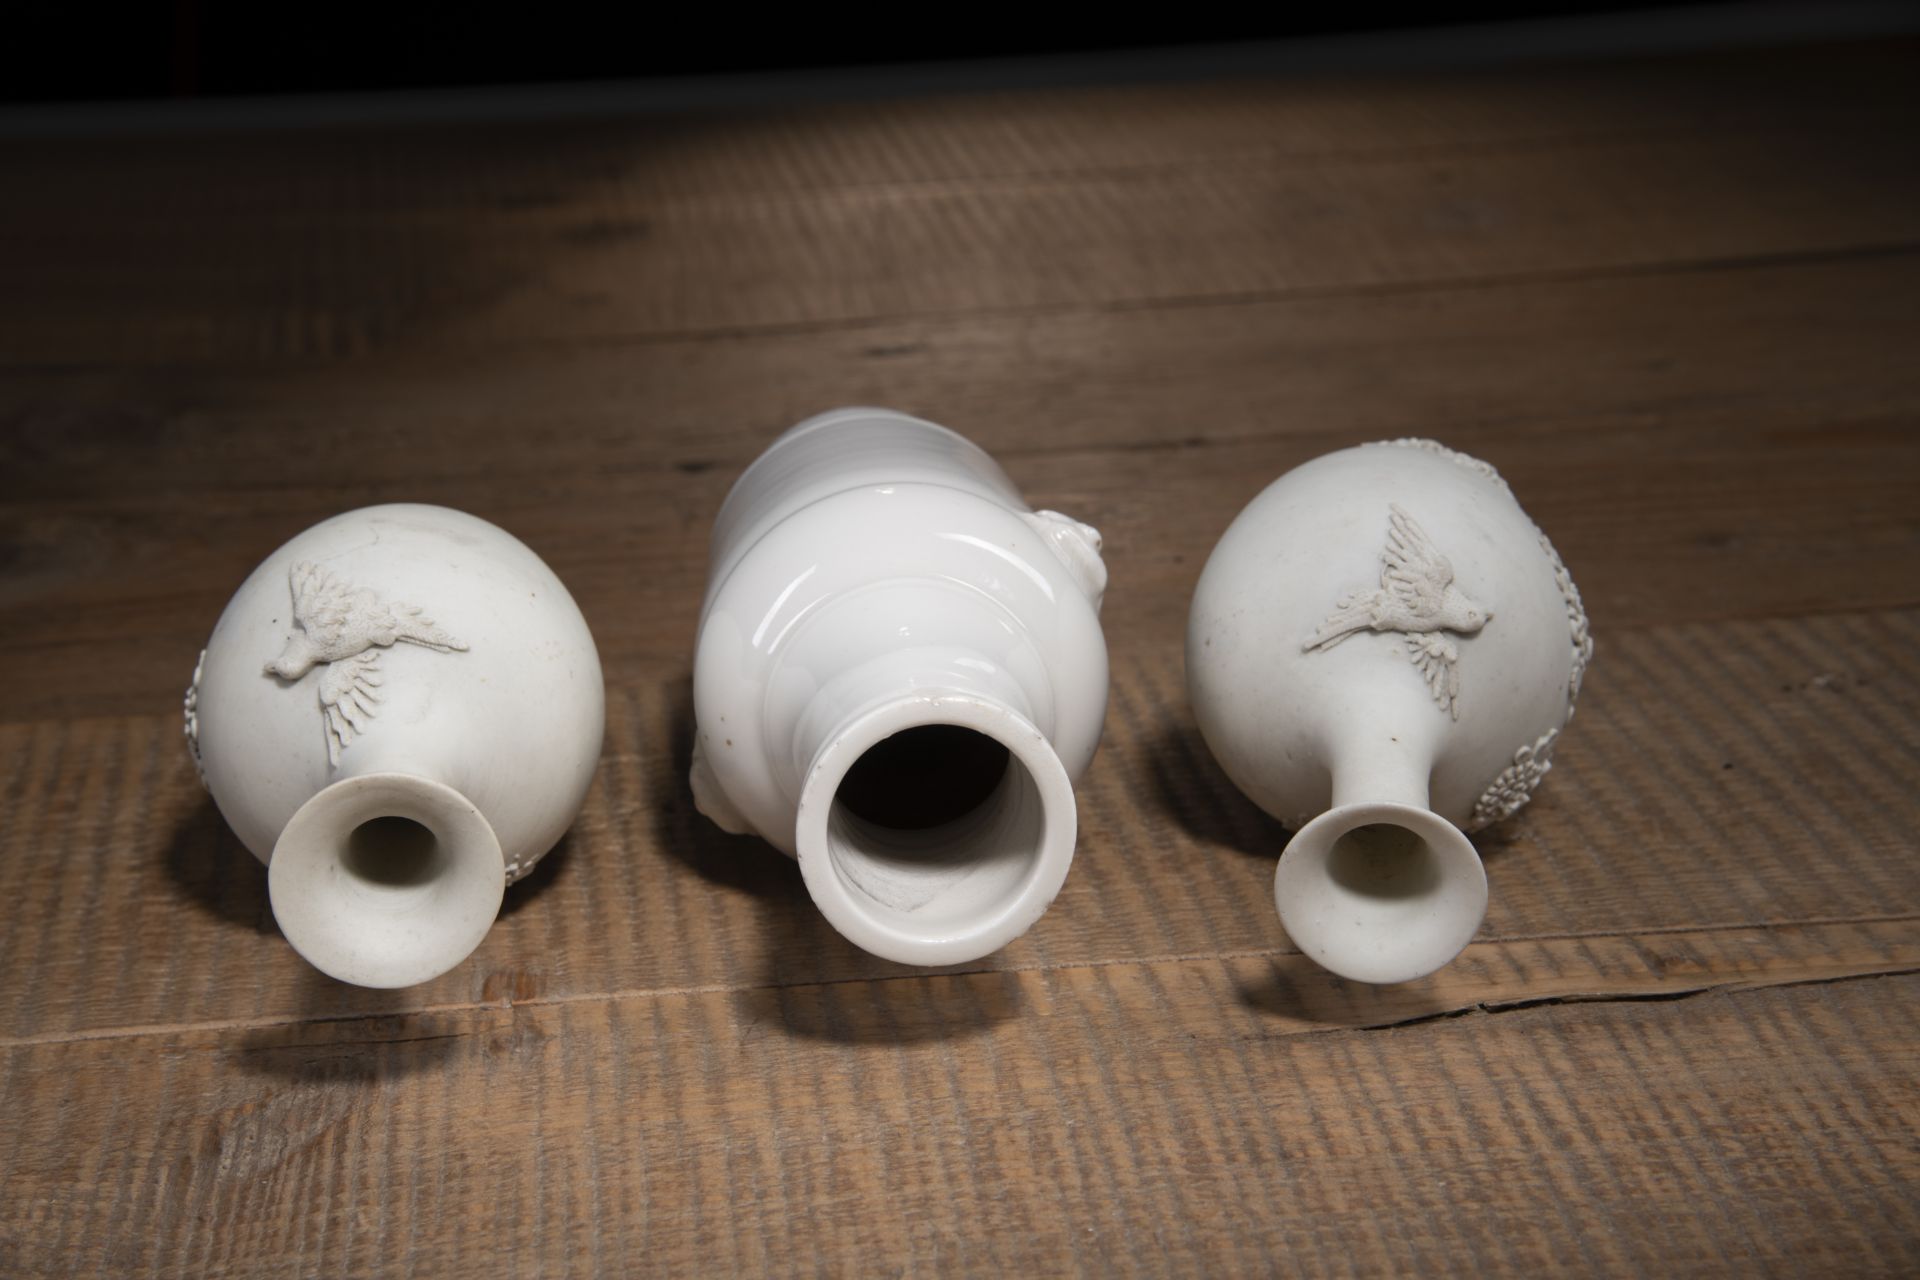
x,y
1413,572
407,622
1439,662
333,613
322,604
348,697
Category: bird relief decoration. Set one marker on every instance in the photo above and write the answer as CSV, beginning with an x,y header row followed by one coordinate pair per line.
x,y
1418,599
344,629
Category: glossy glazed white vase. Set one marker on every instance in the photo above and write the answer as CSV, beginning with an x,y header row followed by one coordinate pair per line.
x,y
1382,651
899,675
399,712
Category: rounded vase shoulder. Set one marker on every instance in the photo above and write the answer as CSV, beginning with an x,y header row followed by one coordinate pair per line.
x,y
899,674
399,711
1382,652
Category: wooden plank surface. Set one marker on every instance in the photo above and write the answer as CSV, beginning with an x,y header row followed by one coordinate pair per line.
x,y
1672,300
1710,771
311,284
341,241
985,1123
1766,472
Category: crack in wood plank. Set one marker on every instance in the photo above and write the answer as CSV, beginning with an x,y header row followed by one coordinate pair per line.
x,y
1334,1004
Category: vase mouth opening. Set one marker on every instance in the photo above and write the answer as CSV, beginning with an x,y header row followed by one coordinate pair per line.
x,y
393,851
936,828
386,880
1380,893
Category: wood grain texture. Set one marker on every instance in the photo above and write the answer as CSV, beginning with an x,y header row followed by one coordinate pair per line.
x,y
984,1123
336,243
1712,767
1671,299
1699,444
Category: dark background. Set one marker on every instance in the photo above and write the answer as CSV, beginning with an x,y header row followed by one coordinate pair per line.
x,y
210,49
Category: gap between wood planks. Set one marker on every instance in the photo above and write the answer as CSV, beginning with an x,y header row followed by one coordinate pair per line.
x,y
1622,997
1343,1004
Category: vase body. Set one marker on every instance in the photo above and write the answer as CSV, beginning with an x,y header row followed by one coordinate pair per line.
x,y
1382,652
899,674
399,712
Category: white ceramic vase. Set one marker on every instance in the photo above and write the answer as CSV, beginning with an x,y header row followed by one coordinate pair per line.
x,y
1382,651
399,712
899,675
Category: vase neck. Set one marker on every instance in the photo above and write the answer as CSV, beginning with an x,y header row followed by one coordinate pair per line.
x,y
386,879
1379,888
1380,746
910,722
935,824
932,674
902,638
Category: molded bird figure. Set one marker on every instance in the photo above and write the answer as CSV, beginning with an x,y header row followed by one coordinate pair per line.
x,y
1417,597
345,628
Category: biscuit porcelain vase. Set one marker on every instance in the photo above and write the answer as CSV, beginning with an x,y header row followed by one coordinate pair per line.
x,y
1382,652
399,712
899,675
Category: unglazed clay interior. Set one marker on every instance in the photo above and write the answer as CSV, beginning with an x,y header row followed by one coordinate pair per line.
x,y
1380,892
392,853
1380,864
386,880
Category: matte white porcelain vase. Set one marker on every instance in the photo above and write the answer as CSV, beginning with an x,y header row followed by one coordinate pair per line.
x,y
899,675
399,712
1382,651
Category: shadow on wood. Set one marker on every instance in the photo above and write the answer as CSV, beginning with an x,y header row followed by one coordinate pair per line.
x,y
914,1007
1192,788
361,1050
1294,991
212,870
536,882
743,864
